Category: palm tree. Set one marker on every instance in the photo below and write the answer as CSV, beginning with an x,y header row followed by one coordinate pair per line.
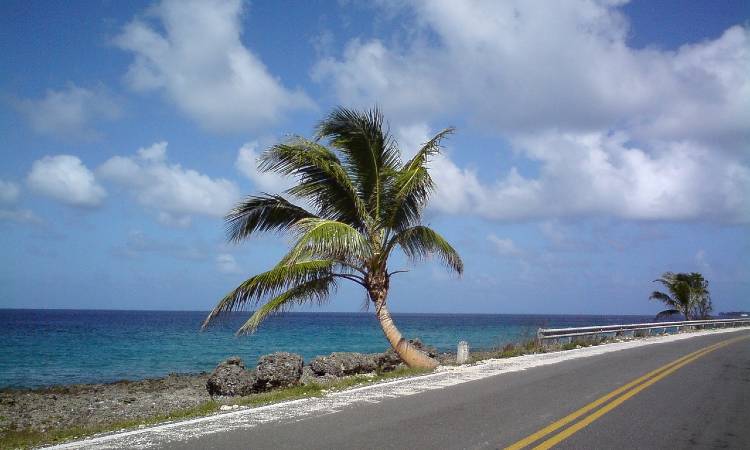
x,y
367,203
688,295
701,297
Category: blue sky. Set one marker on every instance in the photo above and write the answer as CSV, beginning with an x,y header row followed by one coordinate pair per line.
x,y
599,144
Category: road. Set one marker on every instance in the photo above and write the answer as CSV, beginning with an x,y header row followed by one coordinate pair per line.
x,y
702,403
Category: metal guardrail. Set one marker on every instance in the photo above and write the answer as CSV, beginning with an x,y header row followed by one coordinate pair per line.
x,y
645,329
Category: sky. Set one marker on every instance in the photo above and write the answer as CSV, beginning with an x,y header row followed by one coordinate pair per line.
x,y
598,145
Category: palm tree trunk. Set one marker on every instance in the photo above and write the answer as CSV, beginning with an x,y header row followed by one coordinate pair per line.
x,y
408,353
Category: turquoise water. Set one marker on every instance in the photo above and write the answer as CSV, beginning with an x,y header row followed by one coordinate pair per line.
x,y
48,347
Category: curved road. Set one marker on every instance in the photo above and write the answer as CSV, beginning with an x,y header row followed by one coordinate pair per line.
x,y
702,401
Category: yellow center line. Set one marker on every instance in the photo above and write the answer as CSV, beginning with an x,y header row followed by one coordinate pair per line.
x,y
554,440
598,402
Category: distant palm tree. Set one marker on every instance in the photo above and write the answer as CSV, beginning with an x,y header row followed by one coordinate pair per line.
x,y
688,295
366,202
702,298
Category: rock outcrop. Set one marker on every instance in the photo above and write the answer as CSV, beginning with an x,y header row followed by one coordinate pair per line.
x,y
230,378
282,369
279,369
339,364
389,360
428,349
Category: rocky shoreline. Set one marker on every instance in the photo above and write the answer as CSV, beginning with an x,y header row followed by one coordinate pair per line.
x,y
88,406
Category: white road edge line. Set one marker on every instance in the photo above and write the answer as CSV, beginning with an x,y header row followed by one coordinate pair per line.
x,y
300,409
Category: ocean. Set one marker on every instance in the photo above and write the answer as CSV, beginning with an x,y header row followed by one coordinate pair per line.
x,y
52,347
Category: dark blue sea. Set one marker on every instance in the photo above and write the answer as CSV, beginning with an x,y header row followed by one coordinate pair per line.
x,y
49,347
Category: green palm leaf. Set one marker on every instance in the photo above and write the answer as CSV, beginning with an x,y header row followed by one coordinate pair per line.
x,y
328,239
667,313
662,297
270,283
322,179
412,186
421,241
368,151
262,213
317,290
429,148
688,293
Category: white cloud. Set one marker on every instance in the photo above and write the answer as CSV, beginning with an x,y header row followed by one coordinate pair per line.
x,y
9,192
19,216
247,164
157,153
173,191
139,243
174,221
520,66
504,246
66,179
226,263
411,138
370,73
70,112
607,129
601,174
200,63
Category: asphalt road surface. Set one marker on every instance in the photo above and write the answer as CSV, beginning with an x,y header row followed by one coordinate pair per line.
x,y
701,400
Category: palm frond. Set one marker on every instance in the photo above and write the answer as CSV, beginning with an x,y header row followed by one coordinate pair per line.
x,y
328,239
429,148
412,186
262,213
270,283
420,241
369,153
411,190
316,290
321,179
664,298
667,313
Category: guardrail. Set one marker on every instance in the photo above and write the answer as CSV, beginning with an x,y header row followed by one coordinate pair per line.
x,y
634,329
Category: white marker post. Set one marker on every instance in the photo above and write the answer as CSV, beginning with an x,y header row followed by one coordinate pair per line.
x,y
462,356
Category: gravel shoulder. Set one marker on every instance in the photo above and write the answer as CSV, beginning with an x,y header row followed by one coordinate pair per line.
x,y
91,405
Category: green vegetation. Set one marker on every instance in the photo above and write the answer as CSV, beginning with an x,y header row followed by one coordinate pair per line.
x,y
365,204
532,346
14,438
511,350
687,294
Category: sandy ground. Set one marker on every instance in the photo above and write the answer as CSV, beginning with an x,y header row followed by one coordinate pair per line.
x,y
244,418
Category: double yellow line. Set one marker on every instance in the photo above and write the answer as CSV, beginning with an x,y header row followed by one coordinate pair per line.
x,y
611,401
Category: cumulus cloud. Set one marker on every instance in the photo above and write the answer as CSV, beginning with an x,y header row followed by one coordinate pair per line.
x,y
192,52
523,66
642,134
596,174
247,164
66,179
176,193
70,112
9,192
